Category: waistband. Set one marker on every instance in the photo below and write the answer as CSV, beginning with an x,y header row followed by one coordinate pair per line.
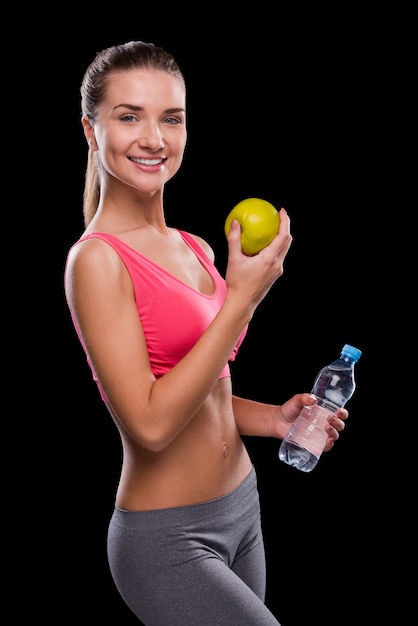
x,y
188,513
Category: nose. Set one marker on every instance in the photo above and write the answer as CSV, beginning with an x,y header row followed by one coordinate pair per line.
x,y
151,137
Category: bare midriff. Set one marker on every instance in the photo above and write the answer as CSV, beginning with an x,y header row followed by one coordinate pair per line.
x,y
207,460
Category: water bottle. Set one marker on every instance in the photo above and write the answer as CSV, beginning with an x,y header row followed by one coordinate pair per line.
x,y
333,387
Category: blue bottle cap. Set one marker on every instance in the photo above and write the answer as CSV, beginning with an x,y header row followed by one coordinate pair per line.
x,y
351,351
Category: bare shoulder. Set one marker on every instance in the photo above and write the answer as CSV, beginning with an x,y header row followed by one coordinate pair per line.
x,y
93,262
91,253
205,246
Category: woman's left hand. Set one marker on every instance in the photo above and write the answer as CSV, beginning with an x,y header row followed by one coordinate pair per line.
x,y
289,411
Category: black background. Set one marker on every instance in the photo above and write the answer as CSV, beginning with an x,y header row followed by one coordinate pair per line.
x,y
280,109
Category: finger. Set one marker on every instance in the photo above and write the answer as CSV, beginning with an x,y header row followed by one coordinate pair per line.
x,y
329,444
336,422
284,221
280,245
342,414
234,237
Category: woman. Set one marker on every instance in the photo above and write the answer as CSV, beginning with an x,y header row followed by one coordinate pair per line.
x,y
159,325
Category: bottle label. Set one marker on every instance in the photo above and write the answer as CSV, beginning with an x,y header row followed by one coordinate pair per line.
x,y
308,431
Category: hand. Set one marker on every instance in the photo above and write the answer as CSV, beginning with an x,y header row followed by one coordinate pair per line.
x,y
251,277
288,412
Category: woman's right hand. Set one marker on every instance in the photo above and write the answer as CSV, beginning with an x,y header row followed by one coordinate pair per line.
x,y
251,277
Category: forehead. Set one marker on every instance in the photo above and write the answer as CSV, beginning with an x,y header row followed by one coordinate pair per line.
x,y
142,86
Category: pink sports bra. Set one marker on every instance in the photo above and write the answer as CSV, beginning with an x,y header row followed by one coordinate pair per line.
x,y
173,315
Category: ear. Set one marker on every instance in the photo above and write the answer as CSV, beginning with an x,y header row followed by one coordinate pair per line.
x,y
89,133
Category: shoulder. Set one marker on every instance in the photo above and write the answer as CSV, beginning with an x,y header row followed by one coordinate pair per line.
x,y
202,243
92,259
91,251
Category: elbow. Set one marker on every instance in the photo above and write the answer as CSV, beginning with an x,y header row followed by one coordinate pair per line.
x,y
153,438
154,444
150,431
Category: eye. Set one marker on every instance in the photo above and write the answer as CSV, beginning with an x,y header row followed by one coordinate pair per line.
x,y
172,120
128,117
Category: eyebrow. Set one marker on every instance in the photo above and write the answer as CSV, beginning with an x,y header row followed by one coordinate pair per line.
x,y
133,107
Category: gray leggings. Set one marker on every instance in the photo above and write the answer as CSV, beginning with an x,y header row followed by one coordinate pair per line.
x,y
199,565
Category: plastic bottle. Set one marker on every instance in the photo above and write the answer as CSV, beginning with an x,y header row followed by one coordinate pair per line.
x,y
333,387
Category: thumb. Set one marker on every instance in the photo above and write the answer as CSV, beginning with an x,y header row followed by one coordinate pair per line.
x,y
234,237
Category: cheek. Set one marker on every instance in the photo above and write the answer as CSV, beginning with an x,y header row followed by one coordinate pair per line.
x,y
109,140
109,152
178,160
175,148
111,147
180,148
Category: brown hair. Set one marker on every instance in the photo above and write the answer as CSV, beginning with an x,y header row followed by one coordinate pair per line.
x,y
128,56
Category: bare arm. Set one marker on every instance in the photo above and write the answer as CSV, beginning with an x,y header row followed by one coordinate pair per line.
x,y
269,420
100,295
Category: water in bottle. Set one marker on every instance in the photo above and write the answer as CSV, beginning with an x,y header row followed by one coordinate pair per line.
x,y
333,387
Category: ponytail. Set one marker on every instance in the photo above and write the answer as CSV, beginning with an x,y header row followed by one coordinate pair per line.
x,y
91,188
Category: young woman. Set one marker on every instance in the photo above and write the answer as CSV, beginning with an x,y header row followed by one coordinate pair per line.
x,y
159,326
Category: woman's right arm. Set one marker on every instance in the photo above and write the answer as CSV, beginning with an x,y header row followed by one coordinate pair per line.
x,y
100,296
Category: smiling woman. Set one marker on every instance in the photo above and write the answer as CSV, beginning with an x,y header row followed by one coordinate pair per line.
x,y
158,122
160,326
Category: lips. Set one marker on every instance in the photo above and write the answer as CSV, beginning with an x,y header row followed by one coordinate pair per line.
x,y
148,162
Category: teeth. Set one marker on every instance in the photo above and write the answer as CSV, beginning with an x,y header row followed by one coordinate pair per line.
x,y
147,161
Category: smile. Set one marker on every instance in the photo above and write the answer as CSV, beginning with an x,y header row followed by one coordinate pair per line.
x,y
146,161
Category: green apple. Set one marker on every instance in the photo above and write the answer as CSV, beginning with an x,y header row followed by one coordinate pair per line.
x,y
259,221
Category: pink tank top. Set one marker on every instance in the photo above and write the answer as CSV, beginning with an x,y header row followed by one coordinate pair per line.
x,y
173,315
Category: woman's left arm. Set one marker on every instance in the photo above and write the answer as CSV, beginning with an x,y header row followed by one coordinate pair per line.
x,y
257,419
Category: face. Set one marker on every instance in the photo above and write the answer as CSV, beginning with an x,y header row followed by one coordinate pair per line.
x,y
140,130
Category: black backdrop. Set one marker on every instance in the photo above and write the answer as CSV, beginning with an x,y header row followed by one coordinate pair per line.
x,y
287,117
